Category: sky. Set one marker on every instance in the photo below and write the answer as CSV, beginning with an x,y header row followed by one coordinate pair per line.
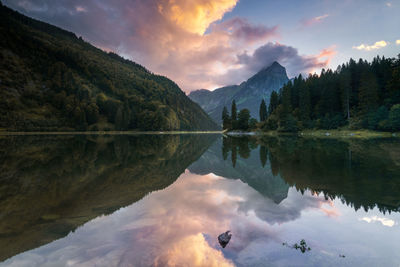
x,y
212,43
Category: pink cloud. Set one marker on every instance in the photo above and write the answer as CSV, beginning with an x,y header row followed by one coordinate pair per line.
x,y
309,22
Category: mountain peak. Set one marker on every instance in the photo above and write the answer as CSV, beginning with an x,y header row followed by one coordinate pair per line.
x,y
276,64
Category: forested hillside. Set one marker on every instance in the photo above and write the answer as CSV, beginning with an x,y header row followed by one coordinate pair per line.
x,y
51,80
358,94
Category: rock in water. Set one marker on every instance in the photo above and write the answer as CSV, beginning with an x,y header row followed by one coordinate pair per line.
x,y
224,239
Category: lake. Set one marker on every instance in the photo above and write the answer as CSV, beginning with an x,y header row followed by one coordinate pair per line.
x,y
163,200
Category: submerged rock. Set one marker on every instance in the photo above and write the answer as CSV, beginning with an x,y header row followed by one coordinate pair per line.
x,y
224,239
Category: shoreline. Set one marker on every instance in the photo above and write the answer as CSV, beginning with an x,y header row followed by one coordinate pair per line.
x,y
306,133
6,133
321,134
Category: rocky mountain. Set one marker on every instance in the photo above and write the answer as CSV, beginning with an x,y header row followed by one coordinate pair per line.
x,y
247,95
51,80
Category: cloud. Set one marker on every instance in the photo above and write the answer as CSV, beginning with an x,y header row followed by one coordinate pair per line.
x,y
398,42
195,16
388,4
377,45
309,22
384,221
285,55
185,41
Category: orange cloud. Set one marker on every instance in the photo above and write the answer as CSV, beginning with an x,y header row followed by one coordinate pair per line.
x,y
195,16
195,250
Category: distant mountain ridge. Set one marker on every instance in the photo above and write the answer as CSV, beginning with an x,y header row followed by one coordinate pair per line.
x,y
51,80
247,95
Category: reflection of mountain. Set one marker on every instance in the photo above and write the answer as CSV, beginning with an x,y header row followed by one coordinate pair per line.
x,y
51,185
248,168
363,173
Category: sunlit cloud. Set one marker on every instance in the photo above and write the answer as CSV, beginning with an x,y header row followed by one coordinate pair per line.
x,y
195,16
383,221
398,42
309,22
377,45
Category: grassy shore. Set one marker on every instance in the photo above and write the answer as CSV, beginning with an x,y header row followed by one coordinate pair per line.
x,y
337,133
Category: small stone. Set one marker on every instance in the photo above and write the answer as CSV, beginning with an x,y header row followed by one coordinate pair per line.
x,y
224,239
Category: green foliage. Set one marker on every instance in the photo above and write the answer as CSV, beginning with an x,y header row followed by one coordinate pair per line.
x,y
394,117
233,115
357,93
243,119
226,119
263,111
252,123
288,124
52,80
273,103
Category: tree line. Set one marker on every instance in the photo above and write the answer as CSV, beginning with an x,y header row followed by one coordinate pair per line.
x,y
359,95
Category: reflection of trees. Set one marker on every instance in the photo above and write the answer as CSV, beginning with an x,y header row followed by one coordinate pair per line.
x,y
51,185
263,155
363,174
241,146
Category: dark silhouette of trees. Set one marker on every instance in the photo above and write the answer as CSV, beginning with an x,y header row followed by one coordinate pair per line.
x,y
243,119
359,94
263,111
233,115
226,119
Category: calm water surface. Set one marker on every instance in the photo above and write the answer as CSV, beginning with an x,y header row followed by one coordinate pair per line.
x,y
163,201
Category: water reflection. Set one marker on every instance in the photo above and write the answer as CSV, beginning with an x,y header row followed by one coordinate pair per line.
x,y
51,185
266,191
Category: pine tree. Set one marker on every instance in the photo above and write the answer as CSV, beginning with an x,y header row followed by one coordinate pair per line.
x,y
368,93
263,111
243,119
226,120
304,103
273,102
233,115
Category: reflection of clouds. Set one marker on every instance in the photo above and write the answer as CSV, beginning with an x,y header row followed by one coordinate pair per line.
x,y
192,251
384,221
288,210
172,226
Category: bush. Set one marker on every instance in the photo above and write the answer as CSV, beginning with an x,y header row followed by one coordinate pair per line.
x,y
271,124
288,124
394,117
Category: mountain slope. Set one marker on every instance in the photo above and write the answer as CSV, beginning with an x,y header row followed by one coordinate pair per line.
x,y
52,80
247,95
